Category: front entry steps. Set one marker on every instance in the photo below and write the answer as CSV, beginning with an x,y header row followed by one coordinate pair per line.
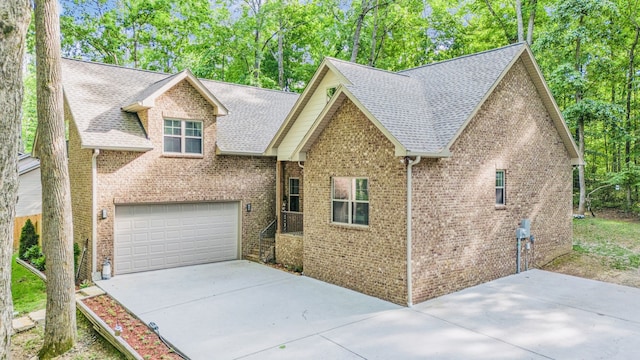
x,y
268,251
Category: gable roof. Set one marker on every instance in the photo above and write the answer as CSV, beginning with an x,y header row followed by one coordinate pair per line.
x,y
146,98
423,110
103,101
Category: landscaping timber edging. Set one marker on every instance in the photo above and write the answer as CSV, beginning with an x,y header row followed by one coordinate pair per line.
x,y
105,331
29,267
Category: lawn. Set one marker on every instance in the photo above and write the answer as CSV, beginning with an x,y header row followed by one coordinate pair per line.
x,y
616,241
29,291
603,249
29,294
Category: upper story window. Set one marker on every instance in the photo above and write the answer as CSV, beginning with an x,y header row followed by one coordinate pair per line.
x,y
350,200
182,137
501,198
294,194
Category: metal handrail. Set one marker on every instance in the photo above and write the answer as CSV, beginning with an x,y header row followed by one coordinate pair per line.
x,y
269,231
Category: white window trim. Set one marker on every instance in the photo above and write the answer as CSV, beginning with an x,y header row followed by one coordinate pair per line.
x,y
503,187
295,195
350,202
183,137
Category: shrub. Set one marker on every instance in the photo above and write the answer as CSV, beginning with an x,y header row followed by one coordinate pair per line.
x,y
32,253
39,263
28,238
35,257
76,254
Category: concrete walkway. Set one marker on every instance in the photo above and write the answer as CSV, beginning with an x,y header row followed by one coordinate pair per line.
x,y
239,309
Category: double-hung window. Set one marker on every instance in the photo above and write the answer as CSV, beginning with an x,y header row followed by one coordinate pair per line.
x,y
294,194
501,198
182,137
350,200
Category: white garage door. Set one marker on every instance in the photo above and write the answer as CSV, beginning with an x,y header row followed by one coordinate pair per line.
x,y
151,237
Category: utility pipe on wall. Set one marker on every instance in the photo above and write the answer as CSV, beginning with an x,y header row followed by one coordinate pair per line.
x,y
410,164
94,216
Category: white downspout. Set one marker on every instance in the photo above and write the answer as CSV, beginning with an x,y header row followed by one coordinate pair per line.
x,y
409,222
94,216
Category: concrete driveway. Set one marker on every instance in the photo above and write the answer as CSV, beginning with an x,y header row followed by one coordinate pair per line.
x,y
244,310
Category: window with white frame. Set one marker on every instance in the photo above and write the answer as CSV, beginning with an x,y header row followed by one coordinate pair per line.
x,y
294,194
350,200
501,198
182,136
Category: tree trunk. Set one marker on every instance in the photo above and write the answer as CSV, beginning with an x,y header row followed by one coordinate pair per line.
x,y
519,19
583,184
532,18
14,21
57,231
256,60
281,55
628,126
366,7
374,34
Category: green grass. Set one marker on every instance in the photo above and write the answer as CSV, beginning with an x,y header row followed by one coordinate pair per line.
x,y
29,291
616,241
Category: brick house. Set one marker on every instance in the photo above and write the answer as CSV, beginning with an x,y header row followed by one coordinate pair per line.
x,y
167,170
414,182
404,186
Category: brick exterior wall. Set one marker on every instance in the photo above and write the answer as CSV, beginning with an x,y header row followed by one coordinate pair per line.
x,y
460,238
151,177
81,193
289,250
371,260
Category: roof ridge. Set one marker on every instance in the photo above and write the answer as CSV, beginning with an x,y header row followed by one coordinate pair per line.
x,y
170,75
463,57
365,66
119,66
248,86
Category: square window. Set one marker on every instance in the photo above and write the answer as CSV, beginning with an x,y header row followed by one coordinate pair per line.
x,y
350,200
182,136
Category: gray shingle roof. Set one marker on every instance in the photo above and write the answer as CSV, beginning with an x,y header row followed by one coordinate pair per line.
x,y
96,92
255,115
425,107
27,163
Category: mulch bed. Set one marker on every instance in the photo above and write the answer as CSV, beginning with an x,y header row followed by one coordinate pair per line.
x,y
134,332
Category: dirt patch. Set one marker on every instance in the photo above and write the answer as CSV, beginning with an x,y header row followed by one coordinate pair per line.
x,y
615,214
134,331
593,267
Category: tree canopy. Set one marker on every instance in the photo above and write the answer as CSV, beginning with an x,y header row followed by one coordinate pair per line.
x,y
585,48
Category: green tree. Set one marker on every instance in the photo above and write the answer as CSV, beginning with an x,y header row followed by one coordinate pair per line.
x,y
571,43
28,238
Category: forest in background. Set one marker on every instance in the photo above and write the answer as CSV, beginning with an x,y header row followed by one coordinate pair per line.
x,y
586,50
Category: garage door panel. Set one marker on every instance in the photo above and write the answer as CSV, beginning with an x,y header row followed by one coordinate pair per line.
x,y
158,249
150,237
140,250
